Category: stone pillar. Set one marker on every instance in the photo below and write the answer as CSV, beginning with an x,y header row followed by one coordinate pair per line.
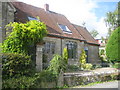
x,y
4,19
0,22
60,82
39,55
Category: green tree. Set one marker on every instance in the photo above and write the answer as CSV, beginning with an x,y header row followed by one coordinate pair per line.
x,y
94,33
112,20
112,47
23,36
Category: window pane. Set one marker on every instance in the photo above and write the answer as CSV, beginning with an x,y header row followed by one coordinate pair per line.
x,y
49,47
64,28
74,50
31,18
72,47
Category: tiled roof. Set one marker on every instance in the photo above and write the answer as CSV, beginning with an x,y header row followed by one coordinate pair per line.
x,y
85,34
51,19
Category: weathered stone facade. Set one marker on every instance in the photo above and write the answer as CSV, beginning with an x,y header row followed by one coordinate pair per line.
x,y
60,44
93,54
6,16
0,22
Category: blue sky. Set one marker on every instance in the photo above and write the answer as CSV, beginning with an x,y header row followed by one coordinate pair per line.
x,y
92,12
103,8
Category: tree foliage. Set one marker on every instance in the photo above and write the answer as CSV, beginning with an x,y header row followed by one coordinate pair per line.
x,y
113,20
112,47
94,33
23,36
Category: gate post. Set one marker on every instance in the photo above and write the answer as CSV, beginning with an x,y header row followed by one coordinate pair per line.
x,y
39,55
60,82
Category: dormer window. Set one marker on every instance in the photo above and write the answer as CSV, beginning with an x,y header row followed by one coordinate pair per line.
x,y
64,28
32,18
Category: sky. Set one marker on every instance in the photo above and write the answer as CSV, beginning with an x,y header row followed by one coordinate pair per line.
x,y
92,12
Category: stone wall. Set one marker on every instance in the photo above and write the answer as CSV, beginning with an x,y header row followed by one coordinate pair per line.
x,y
6,16
93,54
60,44
84,78
0,22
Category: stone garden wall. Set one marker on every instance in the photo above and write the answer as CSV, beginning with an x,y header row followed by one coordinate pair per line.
x,y
83,78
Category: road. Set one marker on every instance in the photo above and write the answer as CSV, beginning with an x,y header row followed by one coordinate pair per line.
x,y
111,84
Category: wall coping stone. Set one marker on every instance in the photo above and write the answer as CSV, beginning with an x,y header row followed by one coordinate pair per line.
x,y
101,71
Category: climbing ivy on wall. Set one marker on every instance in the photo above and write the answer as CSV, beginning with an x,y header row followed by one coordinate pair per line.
x,y
23,36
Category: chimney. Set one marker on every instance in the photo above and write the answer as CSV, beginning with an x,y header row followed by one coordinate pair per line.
x,y
46,7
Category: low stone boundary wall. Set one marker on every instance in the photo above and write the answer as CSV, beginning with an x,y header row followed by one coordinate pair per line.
x,y
83,78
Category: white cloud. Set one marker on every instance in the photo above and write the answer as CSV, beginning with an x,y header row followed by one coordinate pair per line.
x,y
101,27
77,11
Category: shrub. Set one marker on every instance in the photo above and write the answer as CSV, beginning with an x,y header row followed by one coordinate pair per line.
x,y
0,47
65,57
15,65
82,59
96,66
21,82
116,65
73,68
45,76
112,47
102,52
56,64
34,81
88,66
103,55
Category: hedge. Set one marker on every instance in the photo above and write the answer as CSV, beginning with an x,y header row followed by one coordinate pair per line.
x,y
15,65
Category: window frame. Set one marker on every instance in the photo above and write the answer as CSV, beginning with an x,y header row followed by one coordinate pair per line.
x,y
31,18
72,49
49,47
64,28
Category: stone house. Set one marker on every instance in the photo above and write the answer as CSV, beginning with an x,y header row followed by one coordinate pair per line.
x,y
61,33
102,43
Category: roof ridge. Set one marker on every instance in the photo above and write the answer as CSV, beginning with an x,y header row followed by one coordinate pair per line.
x,y
38,7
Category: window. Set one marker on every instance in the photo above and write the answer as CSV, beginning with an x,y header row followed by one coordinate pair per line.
x,y
101,41
86,52
49,48
72,49
64,28
31,18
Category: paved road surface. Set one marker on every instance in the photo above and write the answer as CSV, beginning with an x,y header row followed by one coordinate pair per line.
x,y
112,84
